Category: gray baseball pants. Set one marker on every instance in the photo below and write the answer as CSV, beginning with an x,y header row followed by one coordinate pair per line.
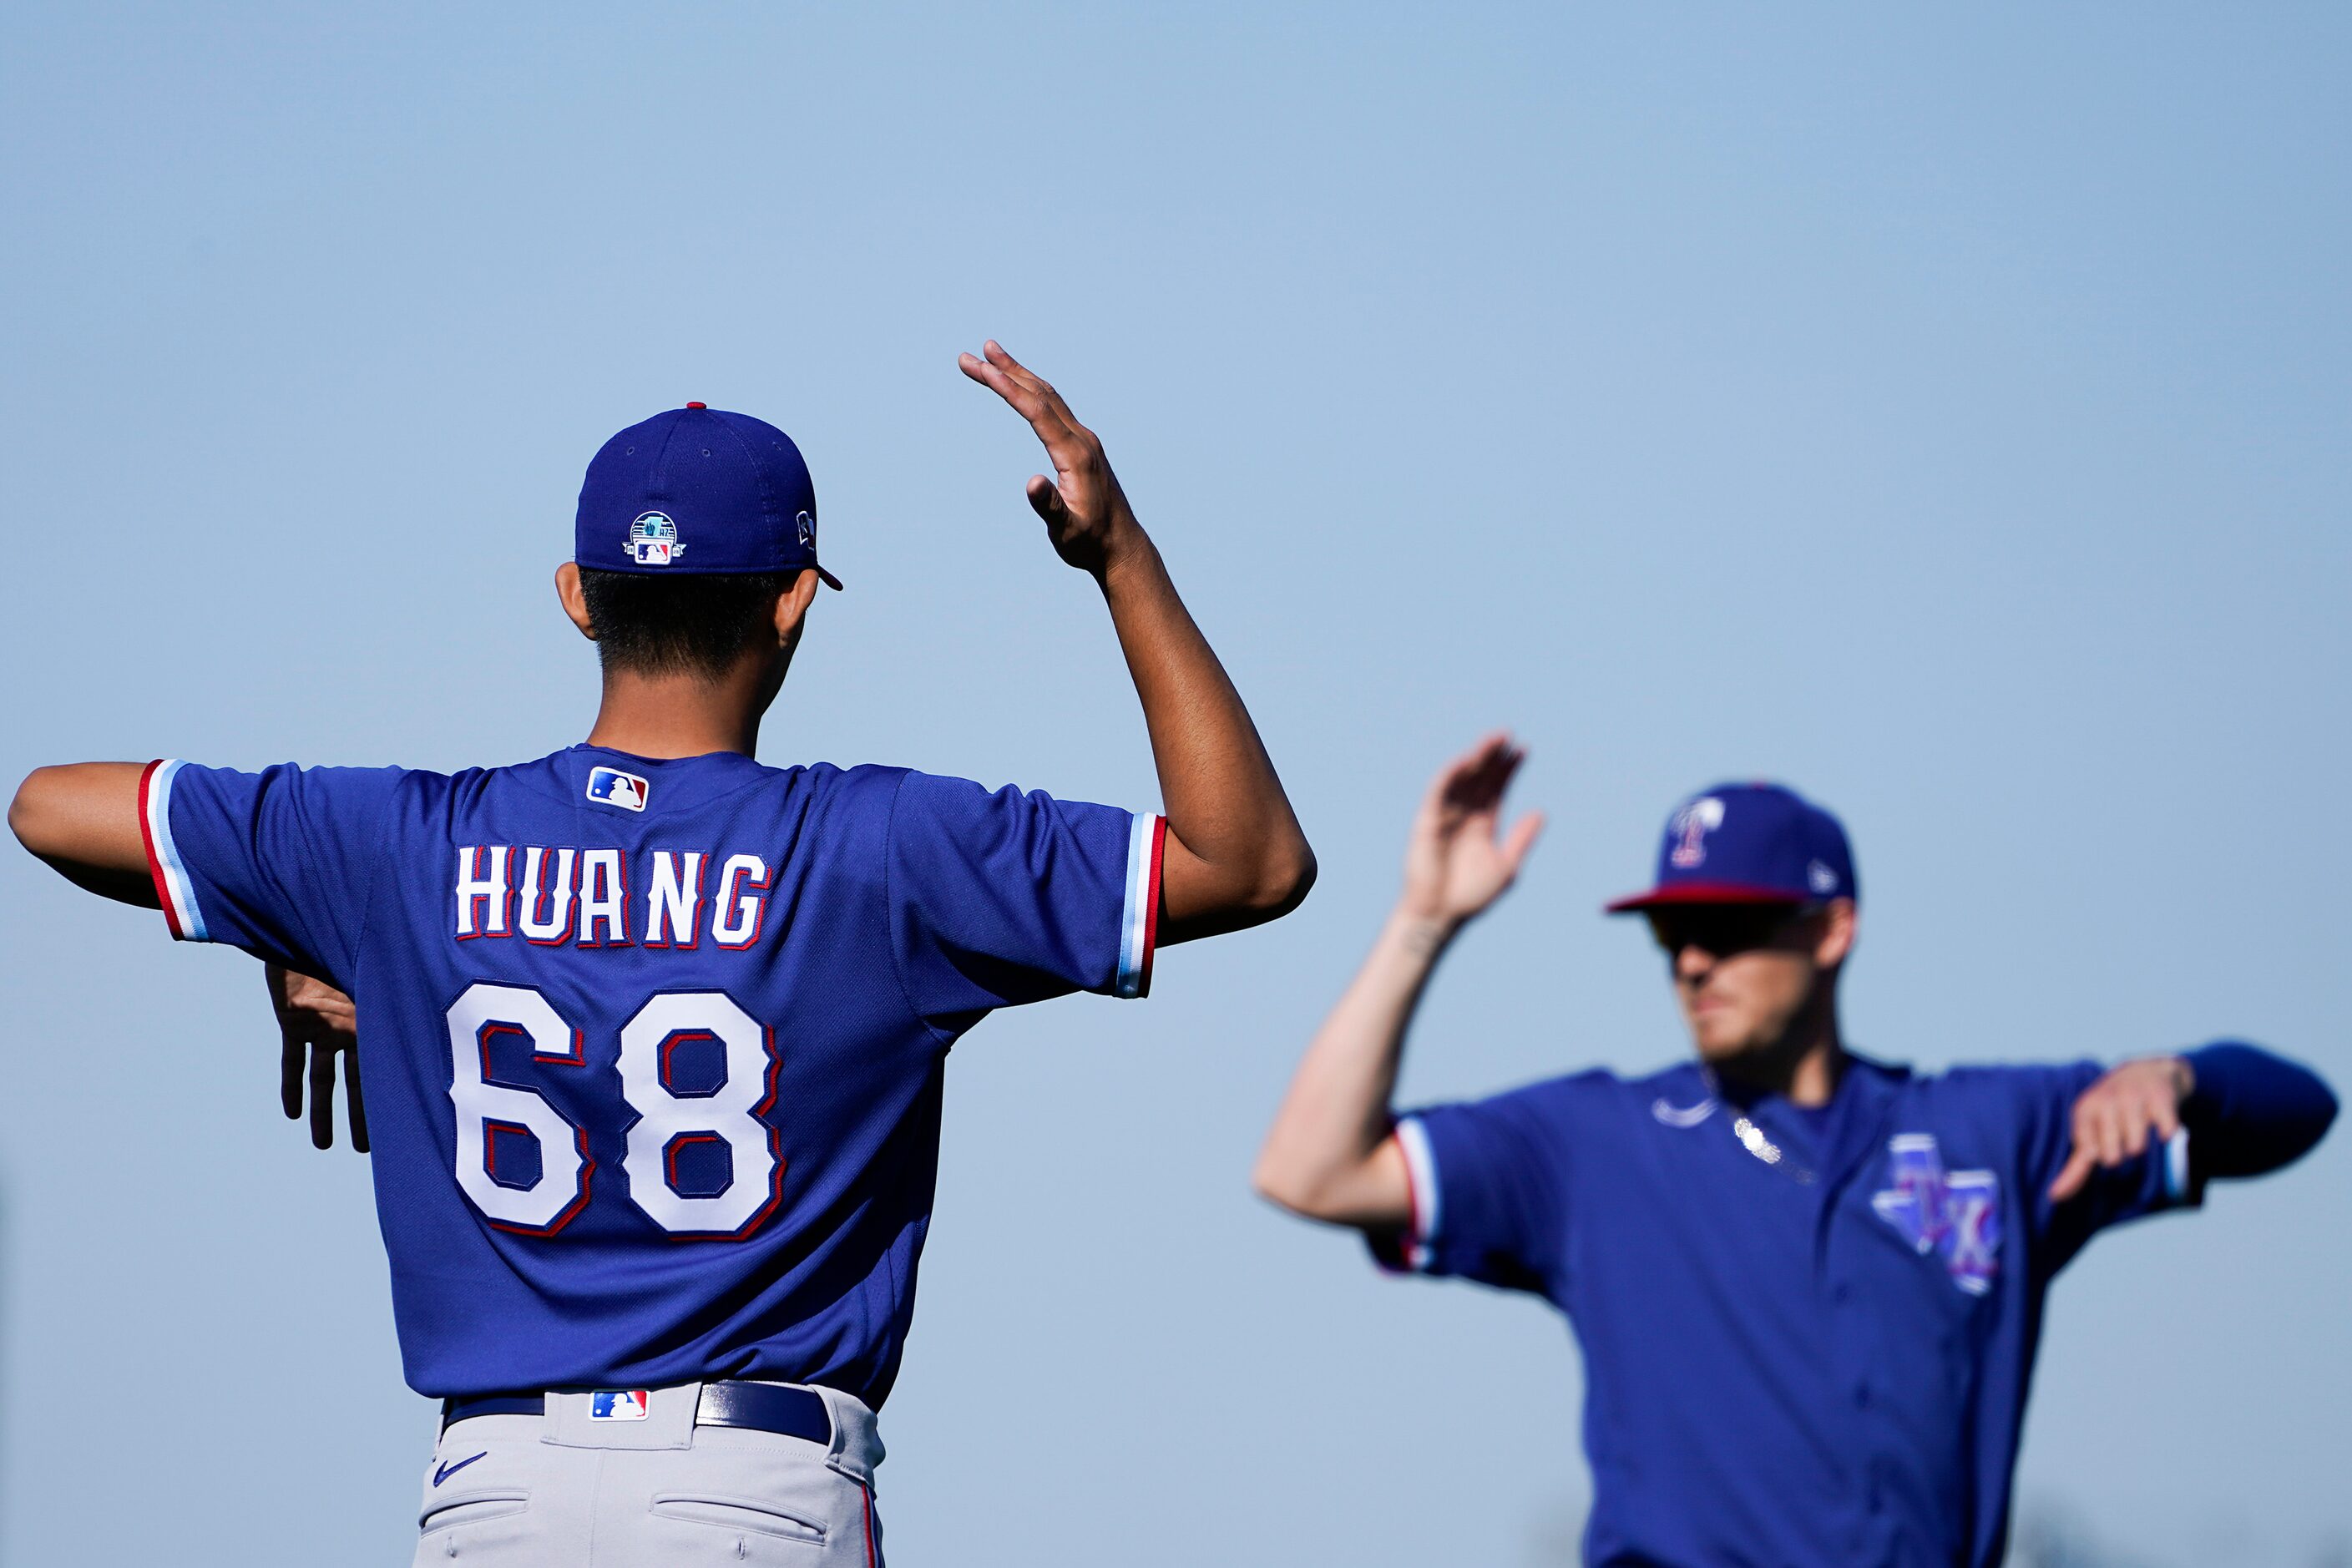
x,y
560,1490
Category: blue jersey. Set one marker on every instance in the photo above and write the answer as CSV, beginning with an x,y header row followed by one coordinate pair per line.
x,y
652,1050
1808,1337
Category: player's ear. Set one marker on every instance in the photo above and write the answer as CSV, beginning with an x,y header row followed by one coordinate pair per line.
x,y
1840,924
792,606
574,602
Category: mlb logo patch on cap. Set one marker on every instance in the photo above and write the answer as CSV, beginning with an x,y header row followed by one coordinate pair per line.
x,y
653,540
618,1404
613,787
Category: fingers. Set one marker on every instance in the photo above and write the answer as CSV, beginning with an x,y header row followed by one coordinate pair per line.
x,y
1524,833
1047,501
1469,794
355,1103
2156,1108
1462,766
1030,398
1479,792
290,1075
2111,1124
1473,773
1030,381
2134,1120
2109,1133
2070,1180
322,1098
1443,789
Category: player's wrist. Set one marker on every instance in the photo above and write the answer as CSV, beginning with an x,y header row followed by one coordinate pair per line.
x,y
1127,553
2184,1078
1420,930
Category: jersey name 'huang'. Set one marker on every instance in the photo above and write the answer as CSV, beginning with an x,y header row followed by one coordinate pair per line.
x,y
584,896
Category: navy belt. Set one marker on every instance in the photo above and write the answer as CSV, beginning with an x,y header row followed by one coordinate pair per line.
x,y
789,1412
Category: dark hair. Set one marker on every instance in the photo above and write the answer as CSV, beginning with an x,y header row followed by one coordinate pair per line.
x,y
695,624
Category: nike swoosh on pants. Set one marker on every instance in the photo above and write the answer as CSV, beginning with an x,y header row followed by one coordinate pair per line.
x,y
445,1472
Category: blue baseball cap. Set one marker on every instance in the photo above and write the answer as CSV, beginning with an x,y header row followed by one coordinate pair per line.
x,y
1749,844
698,490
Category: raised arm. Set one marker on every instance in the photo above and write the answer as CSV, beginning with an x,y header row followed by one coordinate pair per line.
x,y
83,819
1234,855
1330,1155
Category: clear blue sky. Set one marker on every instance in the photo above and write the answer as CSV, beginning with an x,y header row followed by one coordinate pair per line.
x,y
1946,411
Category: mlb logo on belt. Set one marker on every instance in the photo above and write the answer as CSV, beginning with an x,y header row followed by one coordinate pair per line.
x,y
618,1405
614,787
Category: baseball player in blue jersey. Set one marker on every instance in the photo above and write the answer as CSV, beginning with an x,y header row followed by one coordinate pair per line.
x,y
1807,1285
654,1032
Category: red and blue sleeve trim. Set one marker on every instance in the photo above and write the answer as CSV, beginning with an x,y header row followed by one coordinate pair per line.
x,y
1139,929
1422,1193
174,886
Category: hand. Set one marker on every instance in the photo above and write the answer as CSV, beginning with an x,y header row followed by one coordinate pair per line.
x,y
1459,862
317,1020
2113,1116
1087,515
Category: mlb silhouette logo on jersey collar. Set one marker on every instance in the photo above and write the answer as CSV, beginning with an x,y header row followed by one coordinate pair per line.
x,y
613,787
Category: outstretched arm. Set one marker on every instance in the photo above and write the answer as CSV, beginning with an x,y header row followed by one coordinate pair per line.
x,y
2246,1112
83,820
1235,856
1330,1155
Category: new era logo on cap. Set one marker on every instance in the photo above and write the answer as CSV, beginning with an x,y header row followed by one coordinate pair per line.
x,y
1748,844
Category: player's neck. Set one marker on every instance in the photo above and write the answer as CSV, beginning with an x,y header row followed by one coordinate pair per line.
x,y
681,715
1814,1079
1802,1067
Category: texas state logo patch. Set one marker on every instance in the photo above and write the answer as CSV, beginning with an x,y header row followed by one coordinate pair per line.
x,y
1955,1214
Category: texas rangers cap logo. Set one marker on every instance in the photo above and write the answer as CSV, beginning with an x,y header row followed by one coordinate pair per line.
x,y
1691,826
653,540
618,1404
613,787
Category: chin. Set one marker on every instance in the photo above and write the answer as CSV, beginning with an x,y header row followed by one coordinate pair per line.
x,y
1722,1039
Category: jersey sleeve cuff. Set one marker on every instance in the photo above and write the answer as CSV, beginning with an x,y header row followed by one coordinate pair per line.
x,y
1423,1195
1139,930
2178,1188
174,886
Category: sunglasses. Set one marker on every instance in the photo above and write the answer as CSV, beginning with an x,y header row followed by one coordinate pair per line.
x,y
1721,930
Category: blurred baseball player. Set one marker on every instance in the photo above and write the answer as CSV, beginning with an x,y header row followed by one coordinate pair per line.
x,y
656,1033
1807,1285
